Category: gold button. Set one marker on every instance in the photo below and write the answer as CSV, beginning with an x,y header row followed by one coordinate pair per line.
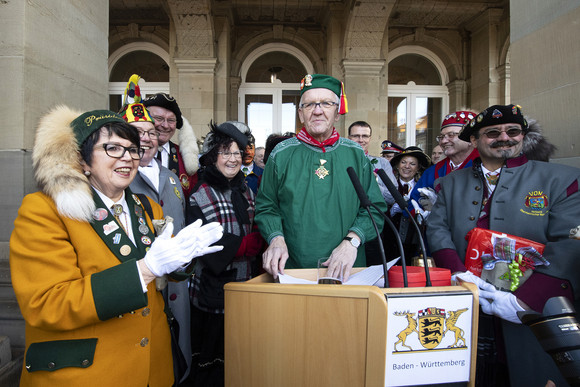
x,y
51,365
132,312
85,363
475,202
144,341
472,218
478,188
564,286
120,316
146,312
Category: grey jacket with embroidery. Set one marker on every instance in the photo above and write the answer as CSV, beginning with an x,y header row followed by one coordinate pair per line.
x,y
533,199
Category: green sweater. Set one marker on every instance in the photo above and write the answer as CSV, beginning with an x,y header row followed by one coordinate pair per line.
x,y
314,214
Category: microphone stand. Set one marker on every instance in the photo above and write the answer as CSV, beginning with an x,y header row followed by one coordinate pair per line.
x,y
399,244
366,203
403,204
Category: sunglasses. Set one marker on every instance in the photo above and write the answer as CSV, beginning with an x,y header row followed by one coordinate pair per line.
x,y
494,133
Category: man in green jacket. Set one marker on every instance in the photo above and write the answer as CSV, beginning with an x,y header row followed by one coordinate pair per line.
x,y
306,207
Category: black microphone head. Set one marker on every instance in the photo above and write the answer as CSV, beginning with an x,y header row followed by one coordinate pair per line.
x,y
392,189
360,192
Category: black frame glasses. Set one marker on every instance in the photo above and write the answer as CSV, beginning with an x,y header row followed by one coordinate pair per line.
x,y
114,151
325,105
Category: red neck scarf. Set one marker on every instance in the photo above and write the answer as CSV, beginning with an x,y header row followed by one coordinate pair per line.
x,y
305,137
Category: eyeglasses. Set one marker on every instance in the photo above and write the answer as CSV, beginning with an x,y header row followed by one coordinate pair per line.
x,y
160,120
450,135
118,151
360,136
151,133
228,155
326,105
495,133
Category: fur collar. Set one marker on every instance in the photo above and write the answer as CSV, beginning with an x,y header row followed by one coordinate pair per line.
x,y
57,168
188,147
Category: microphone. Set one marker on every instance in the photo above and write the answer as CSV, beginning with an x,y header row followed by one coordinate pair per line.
x,y
360,192
403,204
366,203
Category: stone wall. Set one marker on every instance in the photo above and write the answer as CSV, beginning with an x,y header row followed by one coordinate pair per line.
x,y
545,53
51,52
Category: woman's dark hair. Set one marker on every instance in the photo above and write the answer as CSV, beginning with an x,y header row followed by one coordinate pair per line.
x,y
121,129
221,143
419,171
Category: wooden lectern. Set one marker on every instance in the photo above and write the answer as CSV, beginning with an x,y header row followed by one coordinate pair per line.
x,y
313,335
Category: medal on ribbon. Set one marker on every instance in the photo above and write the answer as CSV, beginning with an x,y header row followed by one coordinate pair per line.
x,y
322,172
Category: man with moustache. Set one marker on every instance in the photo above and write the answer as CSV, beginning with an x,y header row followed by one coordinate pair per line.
x,y
180,159
505,192
307,207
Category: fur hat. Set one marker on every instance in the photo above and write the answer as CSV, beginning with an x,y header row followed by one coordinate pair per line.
x,y
536,146
56,162
168,102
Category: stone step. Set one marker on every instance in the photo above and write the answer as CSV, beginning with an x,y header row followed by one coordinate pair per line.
x,y
10,372
5,351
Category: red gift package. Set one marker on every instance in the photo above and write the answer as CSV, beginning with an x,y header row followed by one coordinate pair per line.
x,y
481,242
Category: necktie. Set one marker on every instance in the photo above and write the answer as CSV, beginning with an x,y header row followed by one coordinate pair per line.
x,y
117,212
492,177
158,157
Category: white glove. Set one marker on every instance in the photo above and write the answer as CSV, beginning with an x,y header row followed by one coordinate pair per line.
x,y
169,254
418,210
428,197
501,304
481,284
395,209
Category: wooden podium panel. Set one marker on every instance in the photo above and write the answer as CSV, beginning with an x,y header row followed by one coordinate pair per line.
x,y
307,335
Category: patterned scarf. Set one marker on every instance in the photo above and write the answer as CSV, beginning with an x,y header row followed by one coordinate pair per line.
x,y
220,183
305,137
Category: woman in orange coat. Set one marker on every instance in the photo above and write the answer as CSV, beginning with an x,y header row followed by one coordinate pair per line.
x,y
84,257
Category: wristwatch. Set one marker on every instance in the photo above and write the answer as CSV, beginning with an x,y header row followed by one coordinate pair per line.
x,y
353,241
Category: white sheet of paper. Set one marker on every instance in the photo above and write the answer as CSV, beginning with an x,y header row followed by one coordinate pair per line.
x,y
369,276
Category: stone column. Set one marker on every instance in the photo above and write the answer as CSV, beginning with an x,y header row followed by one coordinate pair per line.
x,y
504,73
195,82
484,54
457,95
39,72
362,80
